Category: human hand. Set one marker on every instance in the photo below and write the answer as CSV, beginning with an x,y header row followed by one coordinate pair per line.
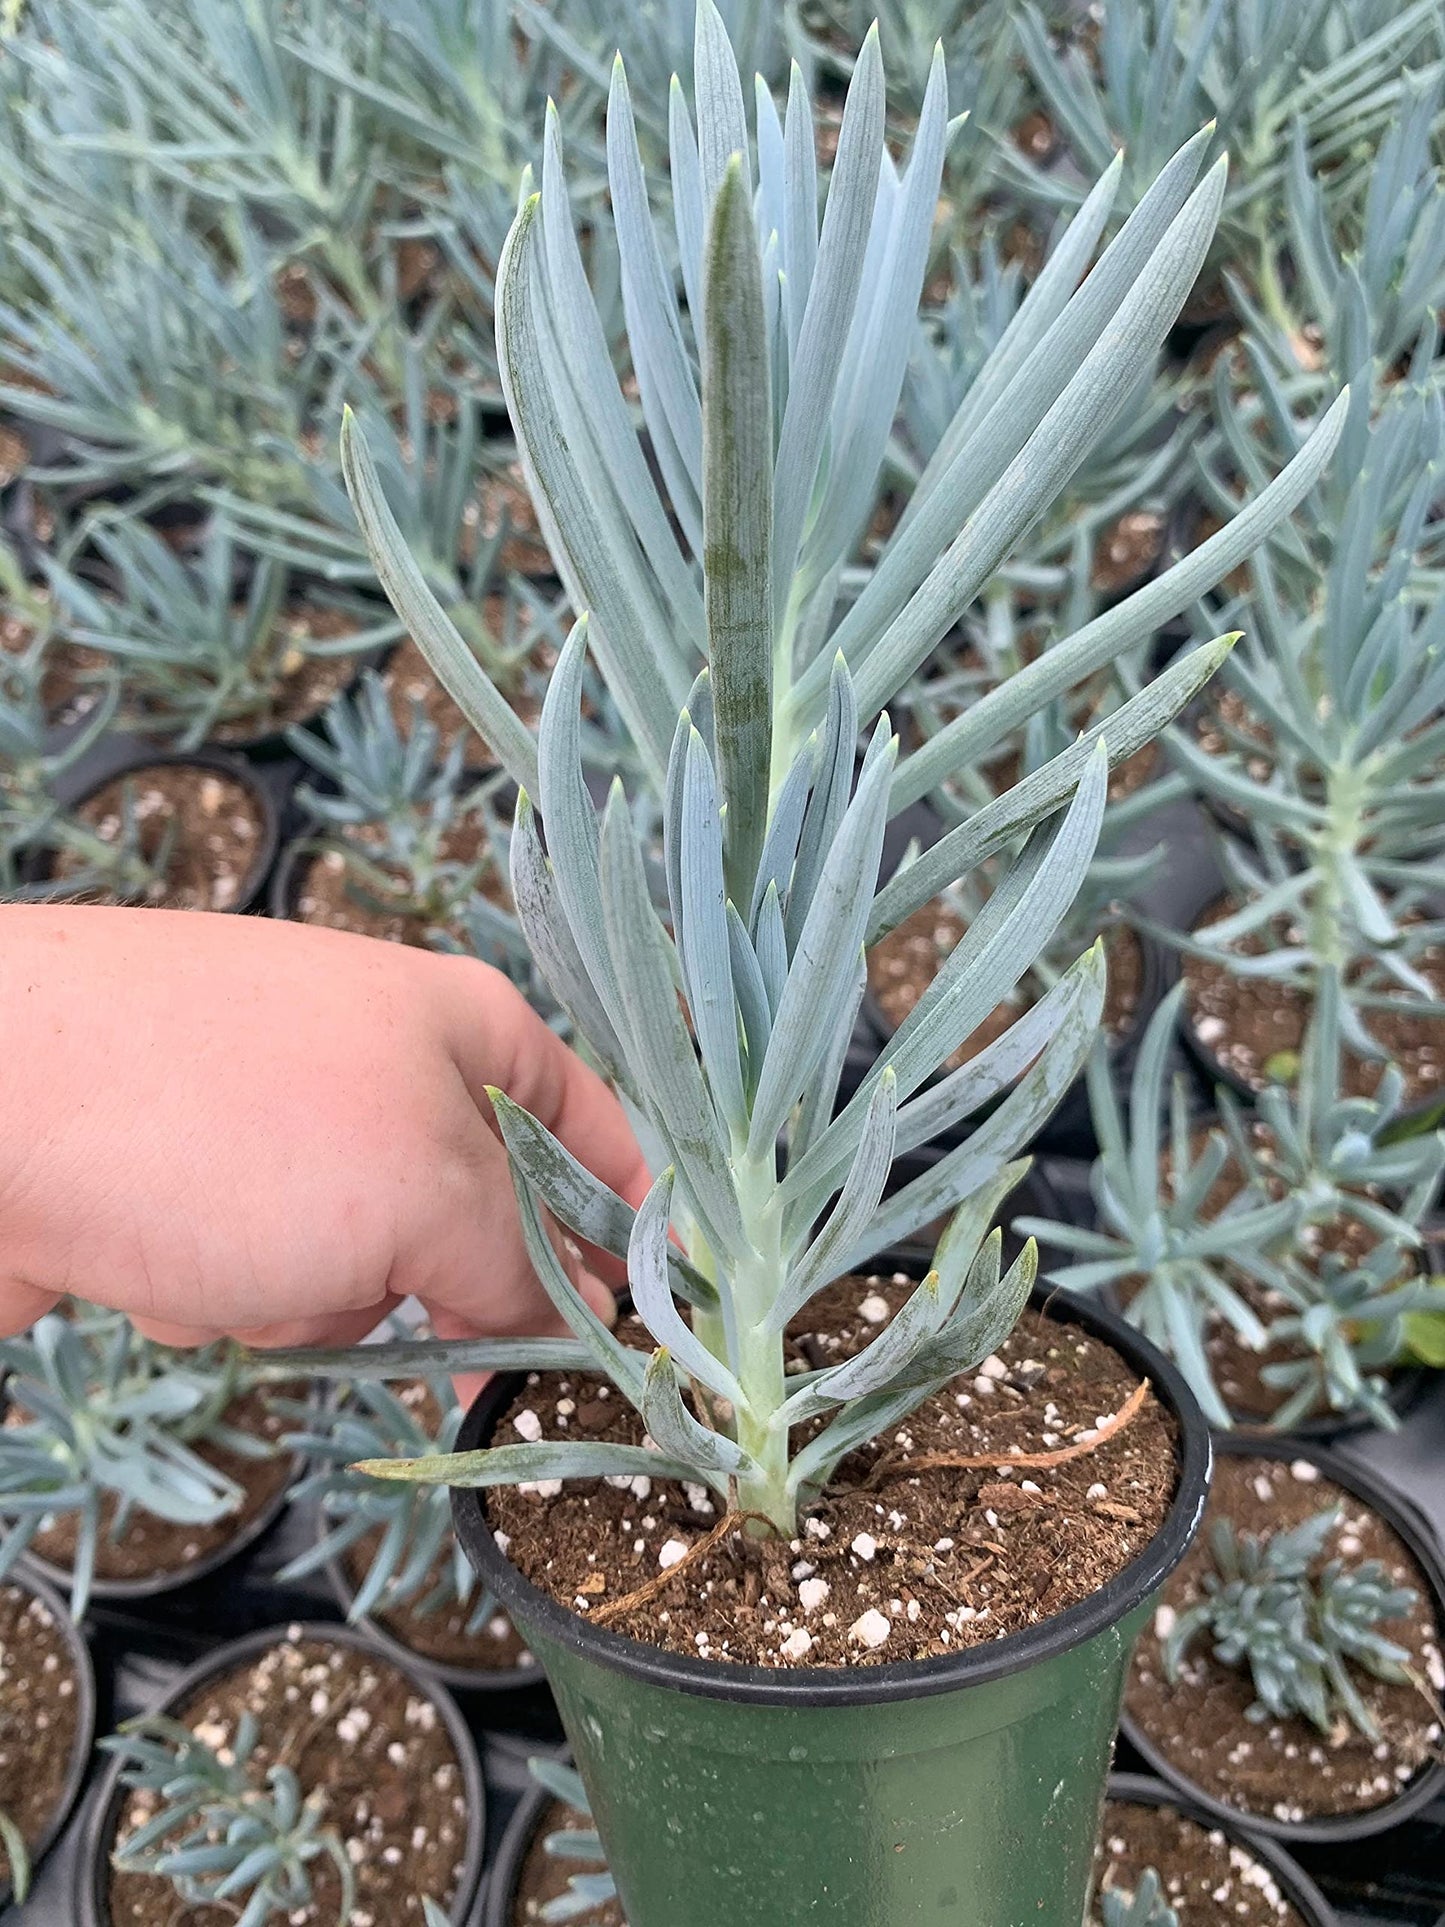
x,y
230,1125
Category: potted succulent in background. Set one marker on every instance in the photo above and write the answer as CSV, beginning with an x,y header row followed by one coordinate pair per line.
x,y
221,648
1204,1863
801,1774
550,1866
296,1775
1332,767
127,1469
1282,1259
407,842
388,1549
1292,1676
47,1725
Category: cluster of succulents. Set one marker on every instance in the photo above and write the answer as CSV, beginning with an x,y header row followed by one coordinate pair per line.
x,y
1297,1624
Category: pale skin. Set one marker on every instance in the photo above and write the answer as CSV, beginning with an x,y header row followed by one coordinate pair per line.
x,y
224,1125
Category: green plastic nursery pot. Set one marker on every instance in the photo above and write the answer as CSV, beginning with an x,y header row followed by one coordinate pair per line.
x,y
964,1790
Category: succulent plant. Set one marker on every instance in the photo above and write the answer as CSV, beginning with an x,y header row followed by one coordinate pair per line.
x,y
1346,823
104,1424
770,846
1310,1162
588,1891
369,1421
19,1869
198,653
36,826
413,824
1145,1907
223,1833
1297,1630
1253,69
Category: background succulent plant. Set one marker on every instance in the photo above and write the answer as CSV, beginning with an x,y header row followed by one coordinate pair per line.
x,y
1297,1625
1240,1225
103,1424
223,1833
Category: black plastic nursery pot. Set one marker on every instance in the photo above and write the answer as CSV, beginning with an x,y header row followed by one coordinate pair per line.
x,y
503,1895
1429,1782
491,1680
964,1790
116,757
103,1812
1139,1790
85,1694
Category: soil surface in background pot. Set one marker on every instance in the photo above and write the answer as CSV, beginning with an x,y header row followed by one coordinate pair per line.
x,y
1252,1023
1286,1769
1127,551
905,962
505,497
441,1635
153,1546
1207,1877
69,685
354,1725
410,679
892,1563
305,683
330,893
543,1878
218,832
39,1711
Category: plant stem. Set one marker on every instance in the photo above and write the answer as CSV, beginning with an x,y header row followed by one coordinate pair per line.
x,y
757,1284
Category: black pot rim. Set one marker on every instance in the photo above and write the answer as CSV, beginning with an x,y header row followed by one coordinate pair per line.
x,y
823,1686
85,1713
1142,1790
101,1811
1323,1828
225,762
460,1679
505,1872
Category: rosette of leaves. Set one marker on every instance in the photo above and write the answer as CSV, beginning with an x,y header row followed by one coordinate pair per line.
x,y
1342,866
415,827
1312,1161
104,1424
199,646
1254,68
224,1833
1359,277
588,1890
369,1421
1269,1606
1145,1907
712,619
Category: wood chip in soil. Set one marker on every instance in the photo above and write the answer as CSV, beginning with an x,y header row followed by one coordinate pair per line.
x,y
929,1563
150,1546
543,1878
218,835
1286,1769
1206,1877
39,1714
353,1727
1256,1026
902,966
